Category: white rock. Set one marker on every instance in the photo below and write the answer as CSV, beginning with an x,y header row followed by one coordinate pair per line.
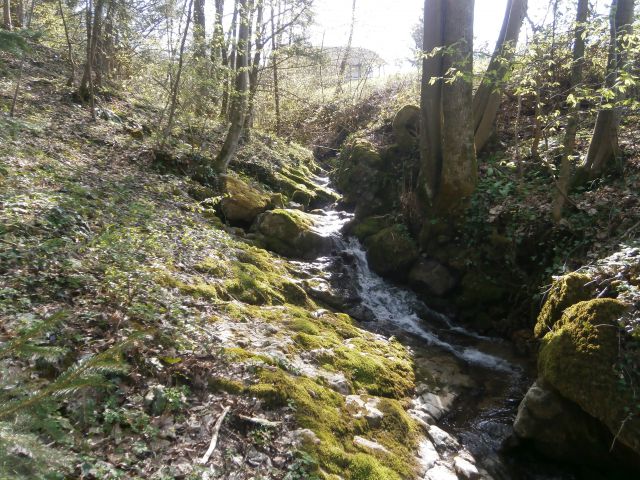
x,y
442,440
465,469
366,407
428,454
369,445
440,472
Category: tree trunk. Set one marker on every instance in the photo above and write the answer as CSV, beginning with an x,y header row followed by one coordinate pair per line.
x,y
569,143
347,51
6,15
274,62
239,100
94,26
431,99
255,69
199,29
175,88
604,142
72,63
459,169
487,98
230,62
19,14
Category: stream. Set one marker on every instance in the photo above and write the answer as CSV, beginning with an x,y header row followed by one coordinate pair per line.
x,y
468,385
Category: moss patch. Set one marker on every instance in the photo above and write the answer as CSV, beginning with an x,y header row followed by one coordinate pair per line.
x,y
565,292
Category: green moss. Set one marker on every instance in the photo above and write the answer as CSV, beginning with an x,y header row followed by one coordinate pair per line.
x,y
565,292
238,354
213,266
221,384
579,357
366,467
371,225
391,250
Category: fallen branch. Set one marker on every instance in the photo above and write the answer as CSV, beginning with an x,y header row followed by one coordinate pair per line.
x,y
214,436
263,422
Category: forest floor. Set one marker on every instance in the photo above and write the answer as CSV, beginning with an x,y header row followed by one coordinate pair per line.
x,y
102,257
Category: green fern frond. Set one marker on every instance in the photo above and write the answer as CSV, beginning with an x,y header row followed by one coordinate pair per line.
x,y
26,335
41,352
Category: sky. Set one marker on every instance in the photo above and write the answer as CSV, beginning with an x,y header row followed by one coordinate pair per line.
x,y
384,26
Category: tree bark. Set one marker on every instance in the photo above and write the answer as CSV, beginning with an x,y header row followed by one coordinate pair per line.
x,y
94,26
603,148
239,100
199,29
230,62
6,15
459,169
488,96
431,98
569,144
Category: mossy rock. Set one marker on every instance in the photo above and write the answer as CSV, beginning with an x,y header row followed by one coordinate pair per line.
x,y
579,357
565,291
370,226
357,175
291,233
243,203
391,251
406,127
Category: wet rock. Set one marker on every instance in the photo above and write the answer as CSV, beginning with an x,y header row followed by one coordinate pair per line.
x,y
361,313
291,233
465,469
442,440
436,405
336,297
432,277
391,251
366,407
369,445
242,204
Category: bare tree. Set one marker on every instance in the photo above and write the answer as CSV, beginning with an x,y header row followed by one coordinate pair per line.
x,y
347,50
6,15
199,29
604,142
571,130
239,99
487,98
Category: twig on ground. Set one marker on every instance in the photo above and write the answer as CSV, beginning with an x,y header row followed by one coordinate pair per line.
x,y
214,436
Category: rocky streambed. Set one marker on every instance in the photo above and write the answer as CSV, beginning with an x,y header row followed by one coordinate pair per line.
x,y
468,386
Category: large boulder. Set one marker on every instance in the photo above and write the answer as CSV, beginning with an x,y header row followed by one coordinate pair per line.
x,y
391,251
406,128
580,359
242,203
291,233
358,173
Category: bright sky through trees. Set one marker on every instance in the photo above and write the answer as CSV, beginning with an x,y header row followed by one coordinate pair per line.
x,y
385,25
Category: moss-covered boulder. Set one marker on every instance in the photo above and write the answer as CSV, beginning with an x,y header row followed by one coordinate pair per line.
x,y
291,233
580,359
406,128
391,251
242,203
565,291
357,175
363,229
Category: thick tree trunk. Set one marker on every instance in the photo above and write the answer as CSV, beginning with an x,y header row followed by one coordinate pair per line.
x,y
487,98
569,143
19,14
604,142
239,101
459,168
431,99
448,163
6,15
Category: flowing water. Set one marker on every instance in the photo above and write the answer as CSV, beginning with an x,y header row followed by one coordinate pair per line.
x,y
487,380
